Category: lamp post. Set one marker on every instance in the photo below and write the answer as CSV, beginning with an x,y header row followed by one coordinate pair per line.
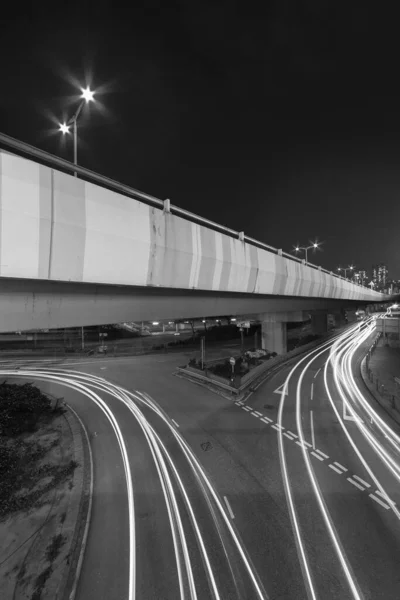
x,y
87,96
313,246
350,268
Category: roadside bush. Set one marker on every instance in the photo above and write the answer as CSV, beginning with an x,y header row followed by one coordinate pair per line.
x,y
21,406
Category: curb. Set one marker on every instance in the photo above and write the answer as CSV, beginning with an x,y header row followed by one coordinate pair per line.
x,y
85,504
378,398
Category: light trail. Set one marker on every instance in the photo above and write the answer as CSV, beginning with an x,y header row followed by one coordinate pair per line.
x,y
79,381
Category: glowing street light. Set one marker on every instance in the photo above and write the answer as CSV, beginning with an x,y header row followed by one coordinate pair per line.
x,y
350,268
314,246
86,97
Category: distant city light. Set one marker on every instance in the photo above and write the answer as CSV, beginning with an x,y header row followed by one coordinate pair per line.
x,y
155,323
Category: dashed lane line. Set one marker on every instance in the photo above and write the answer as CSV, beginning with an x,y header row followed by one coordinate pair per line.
x,y
340,466
258,413
300,444
360,487
316,455
362,481
335,469
228,506
379,501
385,497
288,436
321,453
254,414
266,420
174,422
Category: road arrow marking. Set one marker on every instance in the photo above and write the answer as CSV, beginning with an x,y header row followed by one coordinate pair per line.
x,y
282,388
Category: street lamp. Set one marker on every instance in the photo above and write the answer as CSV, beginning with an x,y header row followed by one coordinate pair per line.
x,y
350,268
86,97
313,246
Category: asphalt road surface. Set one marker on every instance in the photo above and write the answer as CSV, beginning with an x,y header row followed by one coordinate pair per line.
x,y
290,494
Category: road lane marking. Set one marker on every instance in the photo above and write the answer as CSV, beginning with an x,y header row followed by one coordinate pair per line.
x,y
321,453
385,497
255,415
360,487
275,427
312,390
229,508
174,422
379,501
246,408
288,436
238,403
361,481
340,466
300,444
266,420
258,413
316,455
293,434
335,469
307,444
312,429
317,372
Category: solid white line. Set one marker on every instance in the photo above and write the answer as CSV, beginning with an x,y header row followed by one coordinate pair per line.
x,y
321,453
174,422
266,420
379,501
229,508
316,455
362,481
288,436
335,469
312,390
340,466
312,429
360,487
258,413
317,372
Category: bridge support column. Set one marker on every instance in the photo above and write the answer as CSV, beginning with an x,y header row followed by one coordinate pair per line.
x,y
273,329
319,323
273,336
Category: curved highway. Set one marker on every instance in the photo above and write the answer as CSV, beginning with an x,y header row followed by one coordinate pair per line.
x,y
290,494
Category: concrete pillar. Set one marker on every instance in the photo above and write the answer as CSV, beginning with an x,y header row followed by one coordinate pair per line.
x,y
319,323
273,336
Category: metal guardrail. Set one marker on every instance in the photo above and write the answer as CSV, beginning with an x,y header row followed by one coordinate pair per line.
x,y
91,176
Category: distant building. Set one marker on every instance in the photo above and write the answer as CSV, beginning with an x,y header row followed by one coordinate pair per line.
x,y
360,277
380,276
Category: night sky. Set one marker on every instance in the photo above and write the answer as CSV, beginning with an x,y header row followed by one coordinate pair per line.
x,y
283,123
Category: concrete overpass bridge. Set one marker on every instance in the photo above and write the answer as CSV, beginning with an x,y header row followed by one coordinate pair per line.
x,y
87,250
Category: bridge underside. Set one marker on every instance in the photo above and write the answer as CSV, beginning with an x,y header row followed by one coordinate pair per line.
x,y
38,304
